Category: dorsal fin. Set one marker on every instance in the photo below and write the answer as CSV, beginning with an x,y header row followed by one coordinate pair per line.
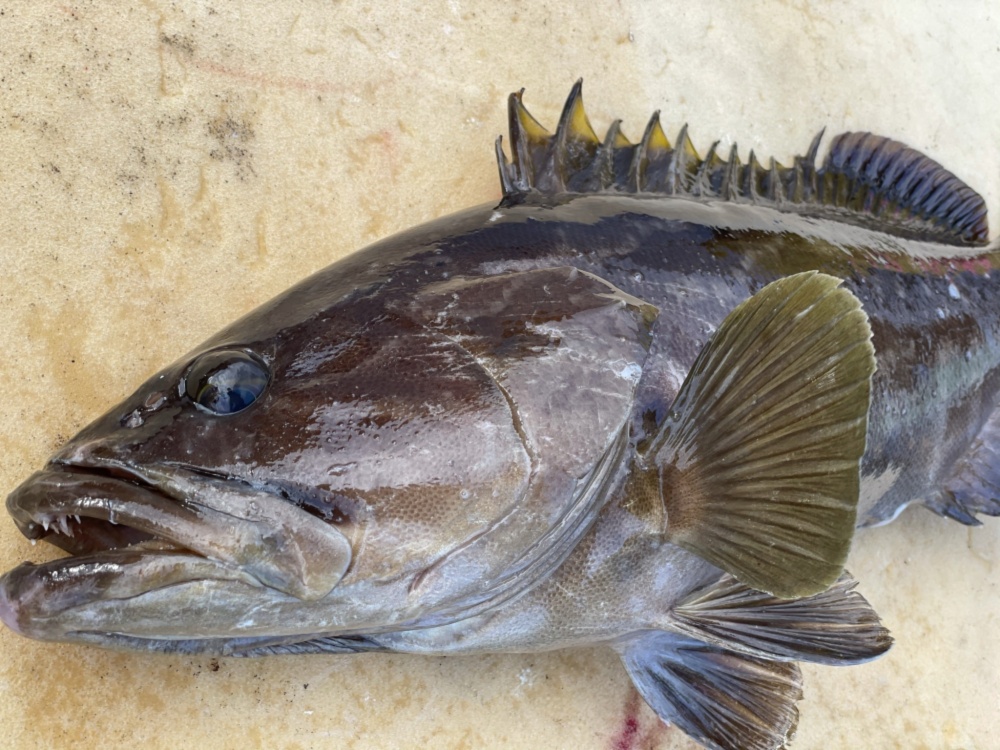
x,y
865,179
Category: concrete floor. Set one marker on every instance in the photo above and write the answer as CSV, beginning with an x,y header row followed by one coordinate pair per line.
x,y
164,170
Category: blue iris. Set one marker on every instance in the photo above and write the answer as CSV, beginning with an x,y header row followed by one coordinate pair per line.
x,y
226,381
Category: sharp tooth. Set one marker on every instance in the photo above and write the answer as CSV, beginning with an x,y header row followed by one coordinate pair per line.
x,y
63,526
77,517
45,522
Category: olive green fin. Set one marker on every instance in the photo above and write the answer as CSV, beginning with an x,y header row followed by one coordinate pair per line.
x,y
974,484
865,179
724,700
757,462
836,626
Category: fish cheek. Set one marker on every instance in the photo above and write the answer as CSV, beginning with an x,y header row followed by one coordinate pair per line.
x,y
418,444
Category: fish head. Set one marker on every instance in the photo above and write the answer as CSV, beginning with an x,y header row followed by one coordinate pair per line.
x,y
353,457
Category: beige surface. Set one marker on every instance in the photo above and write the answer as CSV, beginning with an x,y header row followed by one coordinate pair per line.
x,y
164,170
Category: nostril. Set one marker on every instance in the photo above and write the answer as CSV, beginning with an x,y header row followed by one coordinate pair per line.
x,y
137,417
132,420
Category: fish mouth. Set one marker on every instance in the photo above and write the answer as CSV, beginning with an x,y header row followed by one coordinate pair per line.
x,y
134,531
85,509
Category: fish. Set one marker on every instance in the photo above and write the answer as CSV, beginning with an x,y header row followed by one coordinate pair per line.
x,y
643,402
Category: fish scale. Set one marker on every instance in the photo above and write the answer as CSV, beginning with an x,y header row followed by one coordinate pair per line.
x,y
642,402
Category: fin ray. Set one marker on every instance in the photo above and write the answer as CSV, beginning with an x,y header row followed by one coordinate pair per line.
x,y
865,179
836,626
780,390
725,700
974,484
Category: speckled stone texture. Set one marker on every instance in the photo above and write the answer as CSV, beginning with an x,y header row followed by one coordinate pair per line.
x,y
166,167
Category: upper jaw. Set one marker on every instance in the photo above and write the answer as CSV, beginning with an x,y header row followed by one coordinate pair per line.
x,y
91,507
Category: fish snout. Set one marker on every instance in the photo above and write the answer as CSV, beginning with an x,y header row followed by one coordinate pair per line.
x,y
34,598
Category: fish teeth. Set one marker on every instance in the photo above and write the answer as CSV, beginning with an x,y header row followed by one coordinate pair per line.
x,y
59,523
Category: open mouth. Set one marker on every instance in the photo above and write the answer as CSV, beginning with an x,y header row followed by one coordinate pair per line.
x,y
213,527
88,509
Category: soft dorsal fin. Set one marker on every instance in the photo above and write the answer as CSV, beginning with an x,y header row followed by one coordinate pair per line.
x,y
865,179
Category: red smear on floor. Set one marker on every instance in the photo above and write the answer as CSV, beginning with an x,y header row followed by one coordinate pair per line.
x,y
630,735
629,731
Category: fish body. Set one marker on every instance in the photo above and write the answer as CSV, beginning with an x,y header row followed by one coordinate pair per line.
x,y
642,402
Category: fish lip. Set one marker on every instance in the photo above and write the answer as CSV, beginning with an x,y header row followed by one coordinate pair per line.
x,y
236,526
46,505
199,529
44,601
52,504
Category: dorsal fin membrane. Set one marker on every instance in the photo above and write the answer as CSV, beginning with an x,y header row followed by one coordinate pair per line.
x,y
865,179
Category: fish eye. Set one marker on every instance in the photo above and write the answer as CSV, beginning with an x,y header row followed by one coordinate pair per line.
x,y
226,381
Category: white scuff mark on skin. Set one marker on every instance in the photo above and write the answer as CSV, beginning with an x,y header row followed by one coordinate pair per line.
x,y
628,371
674,376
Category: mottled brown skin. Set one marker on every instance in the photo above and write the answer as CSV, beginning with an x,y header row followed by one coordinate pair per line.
x,y
376,385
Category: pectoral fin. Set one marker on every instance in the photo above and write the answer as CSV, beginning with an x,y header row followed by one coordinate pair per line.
x,y
836,626
726,701
758,461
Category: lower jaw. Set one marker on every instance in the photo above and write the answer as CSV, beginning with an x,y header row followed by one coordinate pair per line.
x,y
59,599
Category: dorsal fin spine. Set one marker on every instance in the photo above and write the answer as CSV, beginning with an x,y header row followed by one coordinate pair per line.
x,y
508,180
751,178
708,175
575,145
640,157
621,152
796,188
684,158
604,161
774,192
865,179
518,146
729,189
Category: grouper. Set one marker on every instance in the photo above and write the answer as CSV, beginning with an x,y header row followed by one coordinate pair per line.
x,y
642,402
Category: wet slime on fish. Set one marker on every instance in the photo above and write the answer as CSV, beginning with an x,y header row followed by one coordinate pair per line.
x,y
643,402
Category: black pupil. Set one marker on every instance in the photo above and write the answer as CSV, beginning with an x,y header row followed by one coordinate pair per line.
x,y
226,382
